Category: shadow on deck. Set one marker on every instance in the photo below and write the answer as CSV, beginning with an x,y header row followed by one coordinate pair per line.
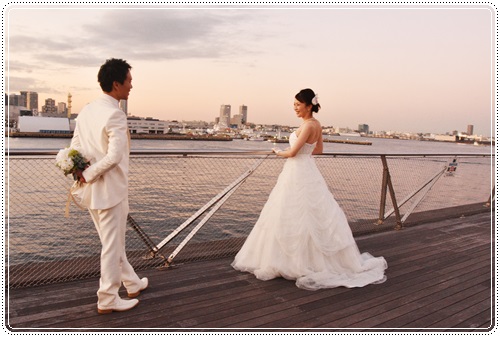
x,y
439,279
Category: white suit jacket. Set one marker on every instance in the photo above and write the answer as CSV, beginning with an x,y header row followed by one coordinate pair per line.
x,y
101,135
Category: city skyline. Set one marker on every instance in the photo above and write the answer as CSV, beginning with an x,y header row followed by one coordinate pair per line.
x,y
241,123
242,116
407,69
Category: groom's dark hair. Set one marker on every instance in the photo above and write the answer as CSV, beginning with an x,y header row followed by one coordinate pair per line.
x,y
112,70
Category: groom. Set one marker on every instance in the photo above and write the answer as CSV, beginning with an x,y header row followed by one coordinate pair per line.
x,y
102,135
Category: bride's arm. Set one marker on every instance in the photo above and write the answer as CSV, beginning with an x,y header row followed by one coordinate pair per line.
x,y
301,140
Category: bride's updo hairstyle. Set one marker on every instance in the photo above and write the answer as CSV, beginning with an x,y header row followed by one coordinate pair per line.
x,y
307,96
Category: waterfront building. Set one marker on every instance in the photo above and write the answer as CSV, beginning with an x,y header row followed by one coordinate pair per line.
x,y
237,121
13,113
446,138
346,132
147,125
44,124
31,99
195,124
225,115
470,130
329,131
243,113
363,128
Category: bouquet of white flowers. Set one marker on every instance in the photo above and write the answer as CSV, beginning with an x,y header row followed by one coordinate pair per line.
x,y
69,160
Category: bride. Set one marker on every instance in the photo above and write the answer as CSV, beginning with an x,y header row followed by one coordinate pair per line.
x,y
302,234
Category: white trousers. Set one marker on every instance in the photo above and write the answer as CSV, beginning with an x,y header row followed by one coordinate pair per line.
x,y
111,226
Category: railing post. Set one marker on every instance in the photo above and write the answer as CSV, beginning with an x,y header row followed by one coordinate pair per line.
x,y
492,195
383,193
387,182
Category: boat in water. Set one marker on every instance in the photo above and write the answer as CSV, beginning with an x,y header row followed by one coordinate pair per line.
x,y
255,138
349,134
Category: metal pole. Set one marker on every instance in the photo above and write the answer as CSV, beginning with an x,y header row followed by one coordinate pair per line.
x,y
144,237
207,217
412,207
399,224
492,196
383,193
412,194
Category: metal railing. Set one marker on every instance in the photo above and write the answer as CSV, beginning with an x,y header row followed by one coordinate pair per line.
x,y
189,206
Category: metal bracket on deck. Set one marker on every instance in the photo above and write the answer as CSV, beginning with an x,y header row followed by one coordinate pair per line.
x,y
387,183
425,187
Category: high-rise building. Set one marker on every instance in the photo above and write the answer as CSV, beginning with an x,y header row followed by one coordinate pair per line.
x,y
25,95
17,100
470,130
49,107
243,113
363,128
225,115
124,106
61,108
31,99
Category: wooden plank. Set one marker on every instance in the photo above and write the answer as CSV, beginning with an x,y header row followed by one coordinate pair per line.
x,y
436,306
428,302
465,310
439,277
370,301
159,292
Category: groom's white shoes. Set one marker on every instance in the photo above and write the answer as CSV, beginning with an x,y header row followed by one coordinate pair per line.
x,y
118,305
145,283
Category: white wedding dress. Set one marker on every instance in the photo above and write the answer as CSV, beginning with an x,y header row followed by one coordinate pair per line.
x,y
302,234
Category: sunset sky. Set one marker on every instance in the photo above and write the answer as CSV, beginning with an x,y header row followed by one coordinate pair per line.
x,y
401,68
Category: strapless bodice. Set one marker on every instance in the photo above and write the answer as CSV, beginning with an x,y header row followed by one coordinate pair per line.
x,y
307,149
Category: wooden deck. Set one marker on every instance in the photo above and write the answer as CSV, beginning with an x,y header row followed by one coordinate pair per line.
x,y
439,279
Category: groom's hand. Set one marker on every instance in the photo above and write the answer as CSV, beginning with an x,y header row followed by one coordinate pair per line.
x,y
78,175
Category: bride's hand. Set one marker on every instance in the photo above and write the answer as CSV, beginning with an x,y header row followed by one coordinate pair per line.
x,y
276,150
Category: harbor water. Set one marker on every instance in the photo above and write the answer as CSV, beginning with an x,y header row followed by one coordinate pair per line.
x,y
164,192
379,145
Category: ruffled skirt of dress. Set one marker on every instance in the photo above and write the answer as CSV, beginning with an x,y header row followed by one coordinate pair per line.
x,y
302,234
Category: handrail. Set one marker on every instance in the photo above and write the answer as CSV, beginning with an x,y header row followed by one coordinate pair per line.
x,y
53,152
169,186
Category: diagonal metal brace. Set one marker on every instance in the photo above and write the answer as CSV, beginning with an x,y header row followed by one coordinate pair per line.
x,y
153,250
210,203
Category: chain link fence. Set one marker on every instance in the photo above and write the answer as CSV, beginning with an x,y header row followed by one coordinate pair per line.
x,y
166,189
